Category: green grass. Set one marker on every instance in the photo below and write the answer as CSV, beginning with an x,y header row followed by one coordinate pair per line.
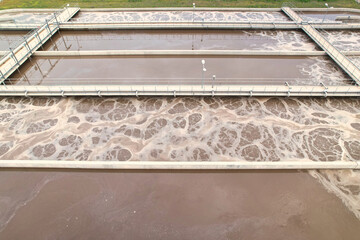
x,y
5,4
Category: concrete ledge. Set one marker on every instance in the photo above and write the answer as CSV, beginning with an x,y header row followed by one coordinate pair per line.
x,y
190,8
338,26
180,9
17,27
154,25
198,25
179,25
324,9
129,165
21,10
184,53
180,53
180,90
185,25
175,53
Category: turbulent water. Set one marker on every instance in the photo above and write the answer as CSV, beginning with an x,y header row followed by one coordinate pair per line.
x,y
27,17
178,16
344,40
284,41
344,183
321,70
180,129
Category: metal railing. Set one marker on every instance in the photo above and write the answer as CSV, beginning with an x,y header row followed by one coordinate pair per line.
x,y
175,25
184,22
178,90
196,36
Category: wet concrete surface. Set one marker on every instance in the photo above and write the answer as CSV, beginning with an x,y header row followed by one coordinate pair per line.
x,y
8,38
180,40
176,205
179,70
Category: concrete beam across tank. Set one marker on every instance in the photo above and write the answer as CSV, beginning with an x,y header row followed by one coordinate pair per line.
x,y
181,53
168,165
176,53
174,90
184,25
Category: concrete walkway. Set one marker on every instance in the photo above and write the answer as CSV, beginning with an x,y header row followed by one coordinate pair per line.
x,y
180,90
180,25
181,53
176,53
184,25
168,165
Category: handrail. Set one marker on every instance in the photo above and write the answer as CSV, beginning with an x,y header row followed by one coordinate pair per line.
x,y
181,22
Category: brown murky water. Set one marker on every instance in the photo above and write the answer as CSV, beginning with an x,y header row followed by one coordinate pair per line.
x,y
176,205
251,70
9,37
180,40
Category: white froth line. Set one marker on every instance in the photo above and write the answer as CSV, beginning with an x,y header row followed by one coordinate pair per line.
x,y
164,165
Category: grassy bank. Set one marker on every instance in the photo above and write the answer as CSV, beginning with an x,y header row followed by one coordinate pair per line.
x,y
5,4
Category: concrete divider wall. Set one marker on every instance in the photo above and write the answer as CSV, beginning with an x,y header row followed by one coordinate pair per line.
x,y
179,90
143,165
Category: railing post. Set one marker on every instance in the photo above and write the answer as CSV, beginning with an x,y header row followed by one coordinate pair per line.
x,y
213,81
57,22
47,24
13,55
38,36
26,44
2,76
